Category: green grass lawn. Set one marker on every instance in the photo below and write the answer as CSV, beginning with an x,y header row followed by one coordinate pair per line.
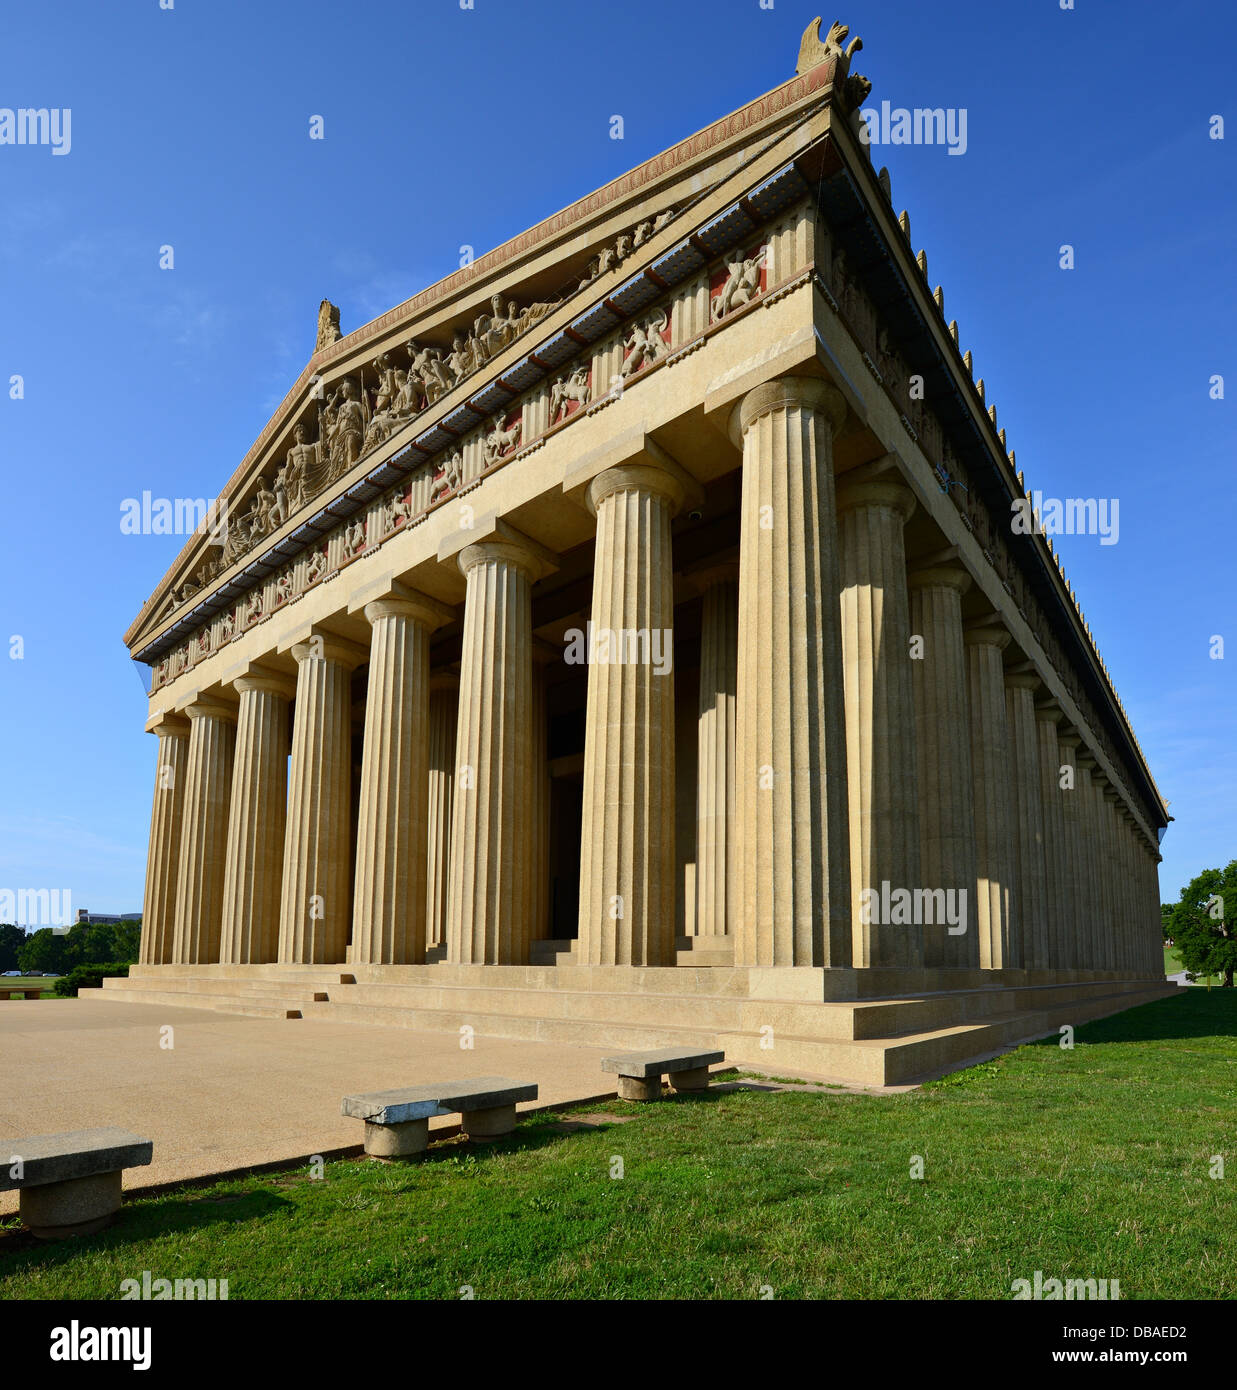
x,y
1092,1162
1173,965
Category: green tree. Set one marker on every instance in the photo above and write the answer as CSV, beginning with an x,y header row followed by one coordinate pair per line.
x,y
1202,923
128,939
1166,920
12,939
45,950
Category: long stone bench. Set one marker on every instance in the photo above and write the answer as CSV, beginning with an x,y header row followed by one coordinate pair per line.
x,y
397,1122
640,1073
70,1183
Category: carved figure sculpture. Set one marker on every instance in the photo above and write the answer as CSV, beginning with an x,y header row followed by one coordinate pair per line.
x,y
645,344
452,475
567,389
328,325
317,567
741,287
354,537
499,440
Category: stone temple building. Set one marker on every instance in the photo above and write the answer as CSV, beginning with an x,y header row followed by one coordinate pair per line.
x,y
637,637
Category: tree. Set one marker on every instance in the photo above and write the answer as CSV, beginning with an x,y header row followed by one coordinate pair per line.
x,y
45,950
12,939
1201,923
1166,921
128,940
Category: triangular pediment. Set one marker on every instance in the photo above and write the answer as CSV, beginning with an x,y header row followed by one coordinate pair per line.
x,y
394,394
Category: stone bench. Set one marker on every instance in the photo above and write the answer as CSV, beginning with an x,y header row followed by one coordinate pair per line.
x,y
8,988
397,1122
640,1073
70,1183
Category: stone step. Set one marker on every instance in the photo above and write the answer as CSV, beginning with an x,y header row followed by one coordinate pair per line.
x,y
584,1032
252,1006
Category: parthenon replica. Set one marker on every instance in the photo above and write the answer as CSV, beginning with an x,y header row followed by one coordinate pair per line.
x,y
626,641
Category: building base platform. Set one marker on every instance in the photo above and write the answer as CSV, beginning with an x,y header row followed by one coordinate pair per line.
x,y
865,1027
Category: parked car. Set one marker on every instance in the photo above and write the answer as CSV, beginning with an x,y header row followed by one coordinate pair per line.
x,y
39,973
14,972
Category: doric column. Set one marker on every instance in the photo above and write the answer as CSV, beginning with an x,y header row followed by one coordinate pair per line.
x,y
257,820
791,853
716,909
881,760
943,744
999,947
389,894
539,819
444,707
317,864
1077,954
1127,936
627,846
490,898
1117,925
1091,899
1030,901
1058,886
163,854
204,832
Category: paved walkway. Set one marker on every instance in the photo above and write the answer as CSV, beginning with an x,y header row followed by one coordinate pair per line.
x,y
236,1091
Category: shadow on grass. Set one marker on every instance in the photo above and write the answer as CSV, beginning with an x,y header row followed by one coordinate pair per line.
x,y
140,1221
1194,1013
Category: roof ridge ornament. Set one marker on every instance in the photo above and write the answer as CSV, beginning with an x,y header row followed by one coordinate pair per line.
x,y
328,325
814,51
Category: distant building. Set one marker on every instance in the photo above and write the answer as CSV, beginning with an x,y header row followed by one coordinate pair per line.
x,y
85,915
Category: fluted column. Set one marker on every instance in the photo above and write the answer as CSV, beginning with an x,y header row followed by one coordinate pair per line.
x,y
1116,918
881,759
1058,888
1030,901
942,741
163,853
1091,900
444,707
999,948
490,898
204,833
316,900
716,913
627,847
389,894
539,820
257,821
791,854
1077,951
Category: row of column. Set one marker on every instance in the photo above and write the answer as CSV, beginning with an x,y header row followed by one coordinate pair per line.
x,y
834,758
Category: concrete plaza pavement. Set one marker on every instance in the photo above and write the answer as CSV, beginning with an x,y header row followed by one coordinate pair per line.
x,y
233,1091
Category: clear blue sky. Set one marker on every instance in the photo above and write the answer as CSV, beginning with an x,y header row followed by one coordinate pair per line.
x,y
446,126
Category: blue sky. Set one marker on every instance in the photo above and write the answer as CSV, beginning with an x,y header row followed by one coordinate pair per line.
x,y
445,127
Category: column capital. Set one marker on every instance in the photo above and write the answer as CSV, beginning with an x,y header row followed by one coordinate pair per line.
x,y
636,477
206,708
417,608
986,635
496,540
389,598
168,725
788,393
317,644
1083,760
250,675
940,577
705,576
876,492
1049,712
1069,737
1022,680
